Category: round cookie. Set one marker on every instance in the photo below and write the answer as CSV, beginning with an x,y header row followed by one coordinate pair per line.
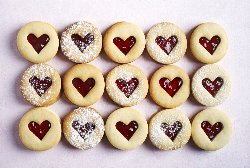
x,y
166,43
83,84
126,128
83,128
41,85
37,42
209,43
169,129
211,129
81,42
124,42
211,85
126,85
169,86
40,129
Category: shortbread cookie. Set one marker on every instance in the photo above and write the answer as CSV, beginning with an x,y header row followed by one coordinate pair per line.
x,y
83,128
126,85
126,128
41,85
37,42
40,129
211,129
211,85
166,43
169,86
209,43
124,42
169,129
81,42
83,84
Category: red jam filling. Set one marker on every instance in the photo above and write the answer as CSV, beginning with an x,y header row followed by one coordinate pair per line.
x,y
39,130
82,43
212,87
171,87
211,130
38,43
127,130
126,45
166,45
127,87
83,87
40,85
171,130
83,130
210,45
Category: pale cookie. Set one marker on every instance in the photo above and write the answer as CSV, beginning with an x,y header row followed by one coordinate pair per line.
x,y
211,85
81,42
83,128
124,42
211,129
209,43
40,129
169,129
83,84
126,85
126,128
41,85
166,43
169,86
37,42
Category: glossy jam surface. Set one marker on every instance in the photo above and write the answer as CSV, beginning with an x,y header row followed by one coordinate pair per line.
x,y
166,45
82,43
210,45
83,87
171,130
126,45
212,87
38,43
211,130
39,130
127,87
171,87
84,130
127,130
40,85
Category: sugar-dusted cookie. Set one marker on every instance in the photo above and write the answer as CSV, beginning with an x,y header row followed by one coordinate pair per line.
x,y
211,85
81,42
37,42
124,42
40,129
169,86
83,84
41,85
209,43
83,128
166,43
126,128
211,129
169,129
126,85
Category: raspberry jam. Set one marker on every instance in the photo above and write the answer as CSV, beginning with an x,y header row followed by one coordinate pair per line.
x,y
166,45
212,87
83,87
84,130
171,130
126,45
38,43
127,130
211,130
210,45
39,130
40,85
82,43
171,87
127,87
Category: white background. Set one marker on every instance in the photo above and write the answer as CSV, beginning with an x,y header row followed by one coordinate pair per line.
x,y
234,16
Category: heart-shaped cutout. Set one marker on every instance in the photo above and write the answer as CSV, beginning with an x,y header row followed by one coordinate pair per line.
x,y
40,85
39,130
83,87
171,87
124,46
210,45
127,130
82,43
211,130
127,87
166,45
84,130
171,130
38,43
212,87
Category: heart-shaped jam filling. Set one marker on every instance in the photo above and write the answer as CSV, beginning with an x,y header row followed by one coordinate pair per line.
x,y
212,87
84,130
82,43
211,130
40,85
127,87
38,43
83,87
171,130
127,130
171,87
166,45
210,45
39,130
126,45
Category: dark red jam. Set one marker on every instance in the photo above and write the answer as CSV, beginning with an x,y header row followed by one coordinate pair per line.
x,y
126,45
83,87
38,43
166,45
171,87
40,85
127,130
39,130
127,87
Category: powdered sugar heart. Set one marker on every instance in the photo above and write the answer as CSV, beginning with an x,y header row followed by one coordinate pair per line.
x,y
127,87
211,130
210,45
166,45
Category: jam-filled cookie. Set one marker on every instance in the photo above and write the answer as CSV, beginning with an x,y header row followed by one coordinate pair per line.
x,y
166,43
169,86
81,42
41,85
211,129
126,128
169,129
38,42
124,42
40,129
209,43
83,128
126,85
83,84
211,85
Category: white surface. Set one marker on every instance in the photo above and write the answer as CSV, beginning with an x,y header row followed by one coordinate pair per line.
x,y
233,15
